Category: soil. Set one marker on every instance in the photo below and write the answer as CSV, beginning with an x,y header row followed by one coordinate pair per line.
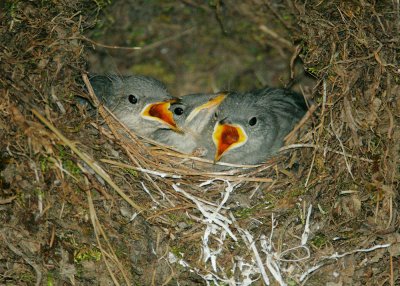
x,y
83,204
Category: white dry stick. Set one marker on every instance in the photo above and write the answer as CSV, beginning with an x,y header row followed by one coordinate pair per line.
x,y
310,270
206,183
207,252
148,192
259,262
208,212
337,256
228,191
214,278
32,164
325,150
57,100
215,222
344,151
246,269
283,253
133,217
254,191
159,174
267,247
207,277
273,225
304,239
213,258
220,221
211,228
324,95
215,253
306,232
206,249
272,266
140,169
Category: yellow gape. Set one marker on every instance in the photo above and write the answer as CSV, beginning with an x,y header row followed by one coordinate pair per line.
x,y
227,137
159,111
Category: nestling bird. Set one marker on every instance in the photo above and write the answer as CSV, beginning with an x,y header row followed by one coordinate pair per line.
x,y
237,128
140,102
193,113
251,127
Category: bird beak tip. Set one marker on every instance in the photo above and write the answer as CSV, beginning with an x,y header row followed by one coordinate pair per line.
x,y
216,159
178,130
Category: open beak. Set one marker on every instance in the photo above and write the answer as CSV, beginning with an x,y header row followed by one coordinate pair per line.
x,y
211,105
159,111
227,137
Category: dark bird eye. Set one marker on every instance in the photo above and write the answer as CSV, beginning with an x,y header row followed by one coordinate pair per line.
x,y
253,121
178,111
132,99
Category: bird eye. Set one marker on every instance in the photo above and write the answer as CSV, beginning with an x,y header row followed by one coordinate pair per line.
x,y
178,111
253,121
132,99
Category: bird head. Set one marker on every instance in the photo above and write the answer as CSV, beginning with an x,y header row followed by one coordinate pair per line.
x,y
140,102
246,132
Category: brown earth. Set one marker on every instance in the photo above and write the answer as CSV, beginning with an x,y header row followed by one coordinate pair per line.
x,y
82,205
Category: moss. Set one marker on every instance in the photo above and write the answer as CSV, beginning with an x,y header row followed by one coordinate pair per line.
x,y
291,282
11,8
68,164
28,278
131,172
87,254
39,192
313,71
244,212
50,279
288,18
296,192
178,217
44,164
177,251
71,167
101,4
375,145
319,240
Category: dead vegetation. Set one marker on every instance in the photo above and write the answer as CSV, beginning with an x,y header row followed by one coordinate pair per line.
x,y
83,204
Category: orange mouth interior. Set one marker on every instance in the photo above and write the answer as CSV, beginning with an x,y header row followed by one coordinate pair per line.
x,y
226,137
160,112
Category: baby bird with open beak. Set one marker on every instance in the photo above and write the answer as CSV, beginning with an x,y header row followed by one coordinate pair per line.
x,y
251,127
194,114
142,103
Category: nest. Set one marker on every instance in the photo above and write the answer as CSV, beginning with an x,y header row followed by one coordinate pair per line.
x,y
84,199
